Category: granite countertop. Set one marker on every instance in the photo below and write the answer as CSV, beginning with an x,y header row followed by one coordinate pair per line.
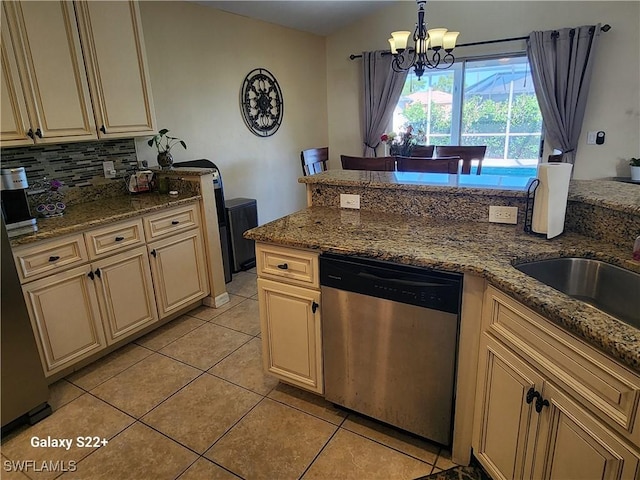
x,y
424,182
623,197
83,216
484,249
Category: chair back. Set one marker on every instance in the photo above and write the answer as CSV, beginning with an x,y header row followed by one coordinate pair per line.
x,y
314,160
386,164
466,153
431,165
422,151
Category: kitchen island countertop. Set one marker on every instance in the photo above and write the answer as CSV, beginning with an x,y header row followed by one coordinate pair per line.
x,y
483,249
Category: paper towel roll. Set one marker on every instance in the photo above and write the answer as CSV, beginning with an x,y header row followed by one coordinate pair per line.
x,y
550,204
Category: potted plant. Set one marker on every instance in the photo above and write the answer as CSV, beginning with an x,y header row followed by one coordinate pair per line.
x,y
635,168
164,143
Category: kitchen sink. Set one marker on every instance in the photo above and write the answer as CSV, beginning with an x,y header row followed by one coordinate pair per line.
x,y
612,289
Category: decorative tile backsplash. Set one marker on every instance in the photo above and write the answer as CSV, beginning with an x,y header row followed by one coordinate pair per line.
x,y
75,164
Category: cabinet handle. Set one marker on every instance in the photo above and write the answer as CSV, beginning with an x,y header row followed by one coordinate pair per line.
x,y
119,239
98,273
153,252
54,258
39,133
102,129
90,275
314,307
540,402
30,134
283,266
175,222
531,394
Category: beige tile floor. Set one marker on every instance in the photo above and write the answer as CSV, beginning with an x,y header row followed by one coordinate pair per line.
x,y
190,401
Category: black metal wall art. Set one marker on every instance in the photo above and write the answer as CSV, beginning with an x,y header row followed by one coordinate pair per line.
x,y
261,103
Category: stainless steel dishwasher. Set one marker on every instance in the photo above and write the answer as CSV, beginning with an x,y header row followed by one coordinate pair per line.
x,y
389,341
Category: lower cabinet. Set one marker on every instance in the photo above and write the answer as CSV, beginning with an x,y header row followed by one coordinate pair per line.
x,y
530,424
65,316
118,288
179,271
291,333
125,293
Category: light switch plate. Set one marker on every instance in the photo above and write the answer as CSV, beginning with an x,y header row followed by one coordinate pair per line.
x,y
591,138
348,200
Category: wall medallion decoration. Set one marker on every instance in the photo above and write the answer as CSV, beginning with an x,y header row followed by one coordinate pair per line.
x,y
261,103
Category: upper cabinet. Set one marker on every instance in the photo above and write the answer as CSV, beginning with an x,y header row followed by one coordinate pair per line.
x,y
51,72
79,70
114,52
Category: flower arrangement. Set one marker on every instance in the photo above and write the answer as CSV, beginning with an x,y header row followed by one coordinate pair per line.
x,y
400,144
165,159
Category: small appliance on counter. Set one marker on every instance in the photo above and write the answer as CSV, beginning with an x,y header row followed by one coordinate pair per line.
x,y
15,207
140,181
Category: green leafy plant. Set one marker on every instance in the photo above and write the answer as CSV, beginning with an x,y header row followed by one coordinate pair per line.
x,y
163,142
634,162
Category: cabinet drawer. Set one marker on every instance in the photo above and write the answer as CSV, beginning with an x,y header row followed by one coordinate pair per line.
x,y
604,386
296,266
168,222
47,257
114,238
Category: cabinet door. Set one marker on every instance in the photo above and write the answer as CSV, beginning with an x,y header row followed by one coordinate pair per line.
x,y
179,271
505,422
14,121
58,92
65,317
291,333
125,293
573,445
117,66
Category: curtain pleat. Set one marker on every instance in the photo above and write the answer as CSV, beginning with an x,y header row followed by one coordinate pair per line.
x,y
382,89
561,67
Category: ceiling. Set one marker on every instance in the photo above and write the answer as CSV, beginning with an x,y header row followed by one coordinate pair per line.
x,y
318,17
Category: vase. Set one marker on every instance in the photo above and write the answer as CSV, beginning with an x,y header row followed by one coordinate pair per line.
x,y
635,173
165,160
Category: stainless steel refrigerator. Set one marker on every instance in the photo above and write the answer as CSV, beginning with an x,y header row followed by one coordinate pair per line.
x,y
24,390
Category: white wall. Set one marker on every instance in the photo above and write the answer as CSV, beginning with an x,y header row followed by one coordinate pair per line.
x,y
614,100
198,58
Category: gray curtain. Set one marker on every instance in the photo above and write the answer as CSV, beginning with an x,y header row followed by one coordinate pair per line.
x,y
561,65
382,88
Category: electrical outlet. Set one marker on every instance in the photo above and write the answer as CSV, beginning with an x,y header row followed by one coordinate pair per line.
x,y
348,200
109,169
503,214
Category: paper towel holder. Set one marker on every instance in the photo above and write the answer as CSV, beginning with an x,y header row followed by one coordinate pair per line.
x,y
528,210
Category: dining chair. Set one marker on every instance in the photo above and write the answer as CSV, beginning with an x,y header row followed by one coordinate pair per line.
x,y
428,164
314,160
424,151
466,153
386,164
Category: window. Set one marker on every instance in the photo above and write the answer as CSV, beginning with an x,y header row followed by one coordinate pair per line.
x,y
478,102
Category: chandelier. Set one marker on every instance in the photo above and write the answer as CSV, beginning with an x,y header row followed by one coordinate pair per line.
x,y
427,49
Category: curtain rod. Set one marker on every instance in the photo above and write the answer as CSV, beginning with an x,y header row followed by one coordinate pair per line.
x,y
605,28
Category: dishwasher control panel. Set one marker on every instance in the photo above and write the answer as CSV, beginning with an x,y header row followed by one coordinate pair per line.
x,y
401,283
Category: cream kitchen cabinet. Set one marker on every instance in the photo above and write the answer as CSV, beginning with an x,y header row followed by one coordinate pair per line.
x,y
179,271
114,52
549,406
125,293
290,318
50,71
71,67
85,292
65,316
